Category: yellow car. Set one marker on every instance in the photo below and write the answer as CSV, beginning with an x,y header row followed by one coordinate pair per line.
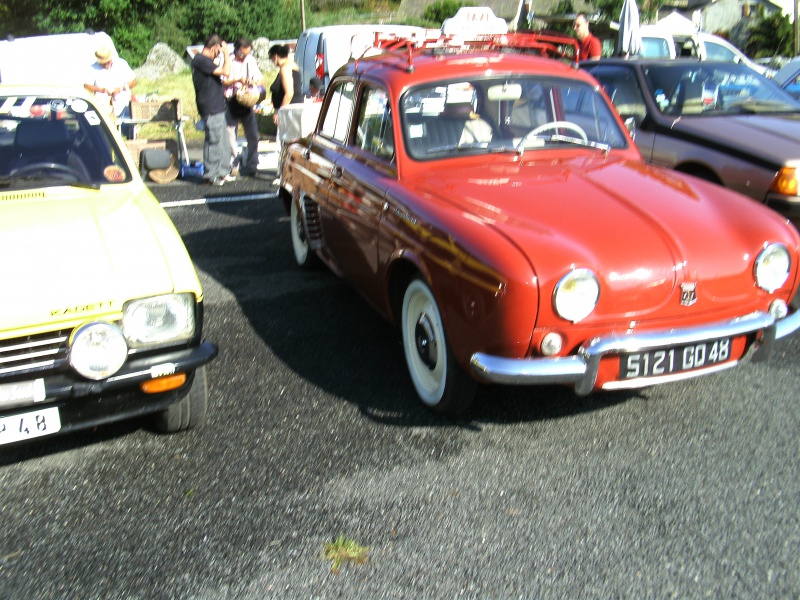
x,y
101,310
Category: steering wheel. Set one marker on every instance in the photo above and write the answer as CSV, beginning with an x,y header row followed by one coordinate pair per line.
x,y
47,166
554,125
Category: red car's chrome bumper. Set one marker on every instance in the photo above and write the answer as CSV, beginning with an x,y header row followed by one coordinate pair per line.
x,y
582,369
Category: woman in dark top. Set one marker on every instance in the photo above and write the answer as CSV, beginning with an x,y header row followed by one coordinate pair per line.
x,y
287,87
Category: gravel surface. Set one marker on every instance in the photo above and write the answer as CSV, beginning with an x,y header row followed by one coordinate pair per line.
x,y
688,490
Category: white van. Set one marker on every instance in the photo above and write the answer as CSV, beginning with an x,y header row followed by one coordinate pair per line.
x,y
62,59
659,42
322,50
707,46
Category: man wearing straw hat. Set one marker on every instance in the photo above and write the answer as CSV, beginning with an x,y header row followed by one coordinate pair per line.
x,y
111,80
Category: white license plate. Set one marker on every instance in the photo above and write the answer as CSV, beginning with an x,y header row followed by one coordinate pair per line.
x,y
29,425
21,393
674,360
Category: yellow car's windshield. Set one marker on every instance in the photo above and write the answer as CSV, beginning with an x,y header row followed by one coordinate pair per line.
x,y
47,141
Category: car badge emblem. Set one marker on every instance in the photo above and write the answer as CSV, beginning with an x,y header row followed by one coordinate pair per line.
x,y
688,294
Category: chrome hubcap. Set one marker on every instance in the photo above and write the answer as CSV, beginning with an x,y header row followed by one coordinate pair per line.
x,y
425,339
301,234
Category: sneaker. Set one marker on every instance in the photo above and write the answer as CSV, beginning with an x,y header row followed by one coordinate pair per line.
x,y
218,181
228,178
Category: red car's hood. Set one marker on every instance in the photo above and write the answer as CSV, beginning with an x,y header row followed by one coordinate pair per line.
x,y
642,230
775,137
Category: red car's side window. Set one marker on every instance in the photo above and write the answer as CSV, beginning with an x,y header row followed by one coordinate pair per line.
x,y
336,124
374,131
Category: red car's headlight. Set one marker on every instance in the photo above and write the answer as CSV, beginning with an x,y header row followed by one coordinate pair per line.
x,y
772,267
576,295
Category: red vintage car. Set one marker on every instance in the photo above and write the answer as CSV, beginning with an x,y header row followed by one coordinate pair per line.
x,y
494,207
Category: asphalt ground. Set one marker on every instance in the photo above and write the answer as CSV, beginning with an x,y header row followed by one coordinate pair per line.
x,y
195,189
688,490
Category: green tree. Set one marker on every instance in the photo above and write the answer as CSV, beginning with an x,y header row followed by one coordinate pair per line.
x,y
15,18
259,18
172,30
564,7
611,9
136,25
772,35
128,22
437,12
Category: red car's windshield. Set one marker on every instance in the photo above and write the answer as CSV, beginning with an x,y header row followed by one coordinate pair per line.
x,y
522,113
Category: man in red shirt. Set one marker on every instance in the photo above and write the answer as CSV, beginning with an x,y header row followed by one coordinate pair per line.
x,y
589,46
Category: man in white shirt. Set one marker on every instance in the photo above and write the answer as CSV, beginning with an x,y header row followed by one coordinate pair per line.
x,y
244,72
111,80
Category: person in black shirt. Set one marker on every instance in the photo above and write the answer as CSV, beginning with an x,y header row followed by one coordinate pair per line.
x,y
211,104
286,89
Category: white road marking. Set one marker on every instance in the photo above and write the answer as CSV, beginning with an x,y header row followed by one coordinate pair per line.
x,y
220,199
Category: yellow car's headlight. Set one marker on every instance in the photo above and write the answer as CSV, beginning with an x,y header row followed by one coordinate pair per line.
x,y
159,320
97,350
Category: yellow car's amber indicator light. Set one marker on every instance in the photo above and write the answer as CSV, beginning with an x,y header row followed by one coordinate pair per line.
x,y
163,384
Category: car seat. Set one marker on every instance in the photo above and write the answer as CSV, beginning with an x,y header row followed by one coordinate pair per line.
x,y
456,125
40,141
527,115
690,97
467,126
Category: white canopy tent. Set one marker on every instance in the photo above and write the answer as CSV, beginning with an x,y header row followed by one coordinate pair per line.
x,y
676,24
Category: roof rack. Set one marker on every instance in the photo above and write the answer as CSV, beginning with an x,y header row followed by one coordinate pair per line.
x,y
550,45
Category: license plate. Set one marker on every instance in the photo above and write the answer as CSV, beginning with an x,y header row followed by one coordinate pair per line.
x,y
29,425
653,363
21,393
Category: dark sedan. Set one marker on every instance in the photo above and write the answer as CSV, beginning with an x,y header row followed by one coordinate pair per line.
x,y
719,121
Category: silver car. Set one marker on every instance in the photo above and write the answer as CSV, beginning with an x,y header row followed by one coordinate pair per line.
x,y
717,120
788,77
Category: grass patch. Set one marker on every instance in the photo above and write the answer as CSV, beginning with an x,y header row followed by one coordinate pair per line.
x,y
177,85
343,549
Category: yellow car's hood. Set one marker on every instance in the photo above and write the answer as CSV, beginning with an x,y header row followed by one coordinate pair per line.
x,y
71,254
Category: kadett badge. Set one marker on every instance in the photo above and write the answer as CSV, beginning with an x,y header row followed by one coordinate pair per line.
x,y
688,294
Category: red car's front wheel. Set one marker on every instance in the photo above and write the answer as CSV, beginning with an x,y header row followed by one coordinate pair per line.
x,y
439,382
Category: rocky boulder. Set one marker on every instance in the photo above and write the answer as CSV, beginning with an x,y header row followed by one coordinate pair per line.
x,y
162,60
261,48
